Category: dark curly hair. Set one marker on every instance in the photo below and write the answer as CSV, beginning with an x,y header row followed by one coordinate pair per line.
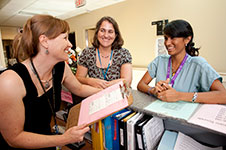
x,y
181,28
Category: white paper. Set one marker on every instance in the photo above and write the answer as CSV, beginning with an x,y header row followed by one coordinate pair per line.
x,y
185,142
153,131
105,101
212,116
160,48
131,143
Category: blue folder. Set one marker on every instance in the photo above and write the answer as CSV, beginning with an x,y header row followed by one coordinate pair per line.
x,y
115,127
168,140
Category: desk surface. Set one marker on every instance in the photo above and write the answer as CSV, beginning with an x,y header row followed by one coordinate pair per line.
x,y
201,134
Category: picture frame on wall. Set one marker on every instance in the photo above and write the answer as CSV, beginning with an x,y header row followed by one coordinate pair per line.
x,y
160,48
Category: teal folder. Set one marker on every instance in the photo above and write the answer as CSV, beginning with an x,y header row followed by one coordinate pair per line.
x,y
168,140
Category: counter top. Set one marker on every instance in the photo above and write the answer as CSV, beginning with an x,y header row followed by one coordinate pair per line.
x,y
201,134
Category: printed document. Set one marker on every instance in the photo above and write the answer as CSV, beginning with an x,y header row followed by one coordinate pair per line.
x,y
152,132
105,101
212,116
185,142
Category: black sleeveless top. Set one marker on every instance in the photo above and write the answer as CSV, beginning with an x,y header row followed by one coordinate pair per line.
x,y
37,110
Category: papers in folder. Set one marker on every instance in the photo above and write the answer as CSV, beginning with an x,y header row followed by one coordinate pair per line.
x,y
100,105
185,142
212,116
180,109
179,141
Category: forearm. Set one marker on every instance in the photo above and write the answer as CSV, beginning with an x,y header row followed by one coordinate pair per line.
x,y
82,90
84,80
30,140
86,90
144,88
212,97
126,73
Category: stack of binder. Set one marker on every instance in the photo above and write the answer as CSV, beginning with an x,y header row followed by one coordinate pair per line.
x,y
132,130
97,136
131,142
123,130
115,129
138,131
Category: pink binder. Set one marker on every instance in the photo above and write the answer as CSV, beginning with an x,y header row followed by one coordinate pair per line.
x,y
100,105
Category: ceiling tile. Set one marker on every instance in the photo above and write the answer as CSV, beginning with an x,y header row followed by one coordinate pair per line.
x,y
16,12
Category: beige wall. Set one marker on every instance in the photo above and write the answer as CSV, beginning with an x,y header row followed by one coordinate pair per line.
x,y
2,59
208,18
8,33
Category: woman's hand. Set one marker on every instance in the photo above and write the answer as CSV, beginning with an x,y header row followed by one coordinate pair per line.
x,y
76,133
98,83
159,87
168,95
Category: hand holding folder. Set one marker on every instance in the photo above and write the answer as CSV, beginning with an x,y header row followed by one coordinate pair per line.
x,y
100,105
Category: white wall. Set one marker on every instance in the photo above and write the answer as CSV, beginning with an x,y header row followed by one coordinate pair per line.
x,y
138,73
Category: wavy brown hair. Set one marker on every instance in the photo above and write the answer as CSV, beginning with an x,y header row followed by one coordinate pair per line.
x,y
25,44
118,42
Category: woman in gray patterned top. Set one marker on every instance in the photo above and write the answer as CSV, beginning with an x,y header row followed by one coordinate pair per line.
x,y
106,62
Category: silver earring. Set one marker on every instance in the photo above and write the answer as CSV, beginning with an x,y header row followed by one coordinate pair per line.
x,y
47,52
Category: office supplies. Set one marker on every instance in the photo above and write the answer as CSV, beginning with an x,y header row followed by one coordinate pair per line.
x,y
97,136
211,116
152,132
115,123
138,131
107,128
123,130
131,143
168,140
179,109
185,142
100,105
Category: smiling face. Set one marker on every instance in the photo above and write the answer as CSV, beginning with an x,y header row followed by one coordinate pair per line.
x,y
59,46
106,34
175,45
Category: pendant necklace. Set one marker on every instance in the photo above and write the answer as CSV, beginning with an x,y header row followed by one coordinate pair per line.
x,y
104,73
53,105
46,82
105,56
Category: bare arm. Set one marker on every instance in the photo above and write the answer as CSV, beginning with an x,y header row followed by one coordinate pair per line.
x,y
216,95
143,84
81,75
73,85
126,74
13,117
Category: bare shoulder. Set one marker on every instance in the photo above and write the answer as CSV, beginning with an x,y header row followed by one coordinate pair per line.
x,y
11,105
11,86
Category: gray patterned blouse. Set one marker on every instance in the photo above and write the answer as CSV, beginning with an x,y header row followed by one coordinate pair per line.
x,y
120,57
